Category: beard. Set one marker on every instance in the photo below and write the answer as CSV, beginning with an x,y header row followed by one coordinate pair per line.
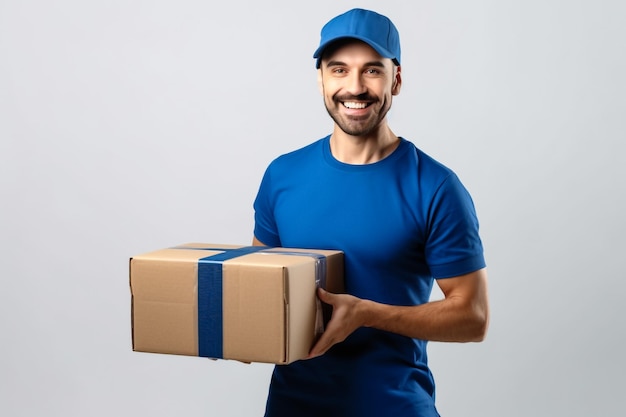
x,y
356,125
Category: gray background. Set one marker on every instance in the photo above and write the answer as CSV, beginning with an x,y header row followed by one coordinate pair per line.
x,y
128,126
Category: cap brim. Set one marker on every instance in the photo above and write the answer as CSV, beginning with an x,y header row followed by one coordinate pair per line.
x,y
379,49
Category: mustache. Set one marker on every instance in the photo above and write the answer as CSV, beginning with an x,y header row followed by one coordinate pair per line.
x,y
360,97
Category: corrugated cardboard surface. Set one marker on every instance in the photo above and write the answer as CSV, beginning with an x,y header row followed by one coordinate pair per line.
x,y
269,301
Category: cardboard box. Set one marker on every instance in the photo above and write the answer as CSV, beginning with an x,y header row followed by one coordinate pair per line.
x,y
249,303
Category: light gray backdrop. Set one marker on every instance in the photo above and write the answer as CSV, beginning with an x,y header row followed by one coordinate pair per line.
x,y
128,126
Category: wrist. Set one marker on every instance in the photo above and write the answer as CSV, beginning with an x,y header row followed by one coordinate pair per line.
x,y
366,310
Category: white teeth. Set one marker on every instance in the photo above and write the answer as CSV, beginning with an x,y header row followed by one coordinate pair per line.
x,y
354,105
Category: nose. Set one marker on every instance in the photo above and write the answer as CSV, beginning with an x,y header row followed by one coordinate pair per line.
x,y
354,84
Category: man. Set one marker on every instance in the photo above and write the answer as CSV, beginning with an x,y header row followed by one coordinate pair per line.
x,y
402,220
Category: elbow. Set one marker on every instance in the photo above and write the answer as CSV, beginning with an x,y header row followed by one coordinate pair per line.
x,y
474,323
479,326
479,312
480,334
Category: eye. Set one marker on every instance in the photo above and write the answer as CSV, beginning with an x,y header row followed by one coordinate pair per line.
x,y
372,71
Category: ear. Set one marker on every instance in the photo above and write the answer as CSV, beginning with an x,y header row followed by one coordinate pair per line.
x,y
397,82
320,82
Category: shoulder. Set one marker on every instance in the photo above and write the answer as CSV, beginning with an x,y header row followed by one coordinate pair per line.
x,y
427,162
428,168
301,155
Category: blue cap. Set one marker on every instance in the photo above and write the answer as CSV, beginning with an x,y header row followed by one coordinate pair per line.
x,y
370,27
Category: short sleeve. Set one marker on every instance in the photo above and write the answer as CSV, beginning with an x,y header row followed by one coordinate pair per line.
x,y
453,246
265,228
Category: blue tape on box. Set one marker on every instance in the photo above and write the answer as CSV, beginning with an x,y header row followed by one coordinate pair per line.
x,y
210,307
210,329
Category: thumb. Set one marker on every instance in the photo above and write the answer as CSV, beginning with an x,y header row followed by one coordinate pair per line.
x,y
324,295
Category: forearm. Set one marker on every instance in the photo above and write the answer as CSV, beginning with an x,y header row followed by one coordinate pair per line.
x,y
462,316
443,320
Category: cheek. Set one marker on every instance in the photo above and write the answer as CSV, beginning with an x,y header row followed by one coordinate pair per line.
x,y
330,91
326,88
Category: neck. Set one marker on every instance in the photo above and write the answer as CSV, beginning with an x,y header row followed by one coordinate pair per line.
x,y
365,149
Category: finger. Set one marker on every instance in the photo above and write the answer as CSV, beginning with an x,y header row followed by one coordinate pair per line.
x,y
324,295
329,338
319,348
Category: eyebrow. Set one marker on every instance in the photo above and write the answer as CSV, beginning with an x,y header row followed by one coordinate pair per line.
x,y
378,64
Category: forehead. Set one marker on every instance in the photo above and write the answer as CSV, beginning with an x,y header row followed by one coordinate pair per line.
x,y
352,50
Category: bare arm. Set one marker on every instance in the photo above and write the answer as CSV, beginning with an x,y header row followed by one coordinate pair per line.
x,y
462,316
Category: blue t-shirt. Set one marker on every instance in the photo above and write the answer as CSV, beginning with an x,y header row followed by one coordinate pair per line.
x,y
400,222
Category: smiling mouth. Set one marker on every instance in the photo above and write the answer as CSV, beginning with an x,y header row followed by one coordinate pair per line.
x,y
354,104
